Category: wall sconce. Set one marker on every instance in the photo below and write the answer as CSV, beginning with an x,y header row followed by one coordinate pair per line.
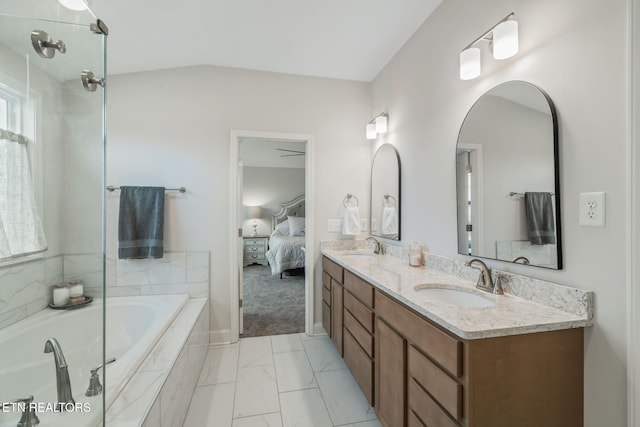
x,y
379,124
503,43
254,212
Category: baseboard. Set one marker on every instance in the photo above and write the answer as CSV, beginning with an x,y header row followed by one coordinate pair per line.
x,y
221,336
318,329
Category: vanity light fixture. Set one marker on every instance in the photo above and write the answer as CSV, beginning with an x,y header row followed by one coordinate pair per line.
x,y
379,124
503,43
74,4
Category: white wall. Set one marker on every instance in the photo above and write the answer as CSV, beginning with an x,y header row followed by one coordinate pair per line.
x,y
576,52
269,187
172,128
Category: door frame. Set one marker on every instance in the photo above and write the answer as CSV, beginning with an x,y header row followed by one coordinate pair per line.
x,y
234,240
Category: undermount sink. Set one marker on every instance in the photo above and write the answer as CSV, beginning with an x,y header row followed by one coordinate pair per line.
x,y
363,255
450,296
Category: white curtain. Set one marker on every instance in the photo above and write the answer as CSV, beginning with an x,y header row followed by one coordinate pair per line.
x,y
21,230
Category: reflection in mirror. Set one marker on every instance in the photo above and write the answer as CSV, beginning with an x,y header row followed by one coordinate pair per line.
x,y
507,178
385,193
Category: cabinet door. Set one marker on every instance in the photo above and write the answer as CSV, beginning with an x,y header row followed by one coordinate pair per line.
x,y
337,298
390,379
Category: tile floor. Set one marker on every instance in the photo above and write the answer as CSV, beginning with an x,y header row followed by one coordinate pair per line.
x,y
278,381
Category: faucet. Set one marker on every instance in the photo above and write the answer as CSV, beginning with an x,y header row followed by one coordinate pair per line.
x,y
95,388
62,372
485,282
28,417
378,248
524,260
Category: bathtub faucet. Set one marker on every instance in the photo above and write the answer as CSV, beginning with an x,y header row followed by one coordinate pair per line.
x,y
62,372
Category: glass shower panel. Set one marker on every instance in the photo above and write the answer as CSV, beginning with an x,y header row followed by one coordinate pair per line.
x,y
64,125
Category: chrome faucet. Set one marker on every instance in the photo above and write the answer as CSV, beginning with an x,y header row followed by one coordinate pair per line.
x,y
485,282
378,248
28,417
95,388
62,372
524,260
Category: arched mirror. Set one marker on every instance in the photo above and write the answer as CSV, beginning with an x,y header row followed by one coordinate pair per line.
x,y
385,193
507,178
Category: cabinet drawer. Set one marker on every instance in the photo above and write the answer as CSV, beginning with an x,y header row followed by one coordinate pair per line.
x,y
413,420
361,335
333,269
359,311
359,364
326,318
255,242
426,409
251,249
441,386
359,288
254,257
440,346
326,280
326,295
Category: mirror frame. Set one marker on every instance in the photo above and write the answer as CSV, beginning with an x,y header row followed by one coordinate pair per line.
x,y
399,201
556,178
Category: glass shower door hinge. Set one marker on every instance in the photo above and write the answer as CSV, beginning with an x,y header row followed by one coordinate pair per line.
x,y
90,82
99,27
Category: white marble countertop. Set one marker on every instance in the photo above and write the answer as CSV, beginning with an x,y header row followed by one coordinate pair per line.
x,y
510,315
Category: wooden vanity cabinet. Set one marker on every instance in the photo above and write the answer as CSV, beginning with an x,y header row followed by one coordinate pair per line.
x,y
358,332
326,302
520,380
334,273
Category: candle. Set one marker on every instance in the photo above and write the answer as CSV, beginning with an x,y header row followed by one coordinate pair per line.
x,y
60,294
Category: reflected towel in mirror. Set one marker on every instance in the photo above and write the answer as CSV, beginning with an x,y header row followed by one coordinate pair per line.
x,y
540,218
389,220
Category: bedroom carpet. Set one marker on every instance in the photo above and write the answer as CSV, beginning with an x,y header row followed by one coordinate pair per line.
x,y
272,306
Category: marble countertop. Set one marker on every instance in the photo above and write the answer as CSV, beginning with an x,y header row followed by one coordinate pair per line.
x,y
510,315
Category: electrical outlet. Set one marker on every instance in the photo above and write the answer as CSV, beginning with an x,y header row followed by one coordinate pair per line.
x,y
334,225
592,209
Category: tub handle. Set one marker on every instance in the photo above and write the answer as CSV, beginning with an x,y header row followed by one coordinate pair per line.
x,y
96,369
95,388
29,417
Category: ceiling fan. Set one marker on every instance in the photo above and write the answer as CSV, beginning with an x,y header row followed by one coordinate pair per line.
x,y
297,153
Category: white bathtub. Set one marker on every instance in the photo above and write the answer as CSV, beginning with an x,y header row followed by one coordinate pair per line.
x,y
133,325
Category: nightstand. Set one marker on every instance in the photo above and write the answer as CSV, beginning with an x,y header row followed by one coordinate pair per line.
x,y
255,248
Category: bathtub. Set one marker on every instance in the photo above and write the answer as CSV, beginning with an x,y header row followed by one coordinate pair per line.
x,y
133,326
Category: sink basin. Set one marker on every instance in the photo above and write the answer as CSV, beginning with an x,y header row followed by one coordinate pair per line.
x,y
450,296
360,255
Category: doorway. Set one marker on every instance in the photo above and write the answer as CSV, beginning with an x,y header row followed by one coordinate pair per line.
x,y
272,207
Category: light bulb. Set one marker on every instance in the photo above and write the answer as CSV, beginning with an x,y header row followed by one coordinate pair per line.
x,y
74,4
469,63
381,124
505,40
371,131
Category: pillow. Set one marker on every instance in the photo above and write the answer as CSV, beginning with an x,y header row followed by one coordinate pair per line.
x,y
283,227
297,225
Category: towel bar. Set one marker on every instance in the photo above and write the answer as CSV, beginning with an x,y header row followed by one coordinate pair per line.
x,y
111,189
348,198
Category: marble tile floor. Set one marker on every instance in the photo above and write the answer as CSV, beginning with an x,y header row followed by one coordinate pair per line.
x,y
278,381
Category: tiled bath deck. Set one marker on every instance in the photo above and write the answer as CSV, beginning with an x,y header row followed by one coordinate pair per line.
x,y
283,381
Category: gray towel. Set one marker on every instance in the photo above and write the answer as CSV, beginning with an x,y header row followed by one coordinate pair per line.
x,y
141,222
540,218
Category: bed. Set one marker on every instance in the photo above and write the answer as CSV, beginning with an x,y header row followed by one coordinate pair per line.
x,y
286,243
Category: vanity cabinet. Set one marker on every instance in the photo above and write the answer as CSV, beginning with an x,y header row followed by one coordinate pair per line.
x,y
416,374
519,380
358,332
333,310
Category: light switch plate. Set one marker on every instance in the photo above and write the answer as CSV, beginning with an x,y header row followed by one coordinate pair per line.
x,y
334,225
593,209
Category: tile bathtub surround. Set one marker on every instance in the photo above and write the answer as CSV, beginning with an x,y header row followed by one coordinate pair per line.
x,y
25,288
158,394
175,273
296,381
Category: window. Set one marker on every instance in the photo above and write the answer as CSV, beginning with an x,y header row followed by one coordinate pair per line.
x,y
11,109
